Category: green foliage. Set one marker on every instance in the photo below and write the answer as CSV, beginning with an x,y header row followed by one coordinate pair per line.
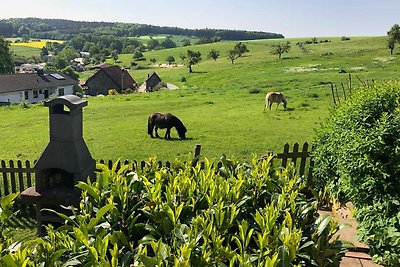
x,y
279,49
168,43
394,37
170,60
241,48
234,214
233,55
69,71
357,156
191,58
6,61
214,54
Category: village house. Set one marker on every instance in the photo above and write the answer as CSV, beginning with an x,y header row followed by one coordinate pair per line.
x,y
34,87
148,85
109,77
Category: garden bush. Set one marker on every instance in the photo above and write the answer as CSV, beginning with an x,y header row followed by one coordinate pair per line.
x,y
191,214
357,156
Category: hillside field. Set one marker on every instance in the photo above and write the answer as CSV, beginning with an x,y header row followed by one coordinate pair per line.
x,y
221,103
29,49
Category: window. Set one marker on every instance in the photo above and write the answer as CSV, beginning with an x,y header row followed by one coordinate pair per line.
x,y
26,94
35,94
61,91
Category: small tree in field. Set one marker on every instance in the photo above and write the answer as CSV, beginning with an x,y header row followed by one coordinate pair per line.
x,y
191,58
233,55
241,48
170,60
214,54
394,37
137,55
279,49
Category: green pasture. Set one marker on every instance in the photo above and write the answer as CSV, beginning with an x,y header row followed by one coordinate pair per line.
x,y
176,38
26,51
221,103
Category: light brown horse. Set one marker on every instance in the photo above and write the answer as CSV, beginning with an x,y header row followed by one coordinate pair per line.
x,y
274,97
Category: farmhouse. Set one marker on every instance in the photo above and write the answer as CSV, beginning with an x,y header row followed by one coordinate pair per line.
x,y
152,81
109,77
34,87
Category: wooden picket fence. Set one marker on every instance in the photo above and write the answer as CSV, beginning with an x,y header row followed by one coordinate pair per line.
x,y
16,176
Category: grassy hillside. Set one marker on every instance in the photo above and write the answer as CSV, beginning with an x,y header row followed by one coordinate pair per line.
x,y
218,103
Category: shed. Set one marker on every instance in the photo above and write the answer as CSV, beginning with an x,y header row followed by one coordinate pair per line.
x,y
152,81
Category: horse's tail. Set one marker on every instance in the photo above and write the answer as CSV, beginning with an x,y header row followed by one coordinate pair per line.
x,y
150,125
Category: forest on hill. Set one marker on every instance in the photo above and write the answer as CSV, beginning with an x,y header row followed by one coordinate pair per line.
x,y
61,29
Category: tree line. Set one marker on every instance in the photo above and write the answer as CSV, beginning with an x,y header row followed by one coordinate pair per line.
x,y
62,29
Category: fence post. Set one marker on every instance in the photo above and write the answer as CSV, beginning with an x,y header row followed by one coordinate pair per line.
x,y
295,153
197,150
196,154
5,179
285,152
304,157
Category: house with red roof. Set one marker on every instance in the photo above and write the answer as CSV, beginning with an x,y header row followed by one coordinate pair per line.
x,y
109,77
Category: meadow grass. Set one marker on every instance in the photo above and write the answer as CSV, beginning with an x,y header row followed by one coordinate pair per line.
x,y
26,51
221,103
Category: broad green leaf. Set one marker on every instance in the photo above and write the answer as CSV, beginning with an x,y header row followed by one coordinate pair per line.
x,y
99,215
322,222
7,200
148,261
93,192
284,259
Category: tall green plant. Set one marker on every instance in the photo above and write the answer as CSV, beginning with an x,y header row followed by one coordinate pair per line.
x,y
357,155
185,215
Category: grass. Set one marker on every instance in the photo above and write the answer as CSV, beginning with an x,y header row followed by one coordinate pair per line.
x,y
26,51
220,103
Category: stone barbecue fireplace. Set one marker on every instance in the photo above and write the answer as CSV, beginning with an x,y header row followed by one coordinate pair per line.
x,y
65,161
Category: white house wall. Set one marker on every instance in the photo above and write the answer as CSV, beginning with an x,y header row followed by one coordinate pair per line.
x,y
17,97
68,90
14,97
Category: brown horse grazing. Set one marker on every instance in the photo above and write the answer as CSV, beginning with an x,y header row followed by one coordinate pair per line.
x,y
159,120
274,97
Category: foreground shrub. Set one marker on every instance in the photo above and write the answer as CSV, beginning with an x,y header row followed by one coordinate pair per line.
x,y
357,155
207,215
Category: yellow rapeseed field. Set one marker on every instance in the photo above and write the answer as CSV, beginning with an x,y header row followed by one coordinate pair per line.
x,y
35,44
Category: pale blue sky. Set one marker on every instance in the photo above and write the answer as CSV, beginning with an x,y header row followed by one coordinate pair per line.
x,y
307,18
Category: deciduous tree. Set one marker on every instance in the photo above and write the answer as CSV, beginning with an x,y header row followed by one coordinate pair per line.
x,y
279,49
6,59
170,60
394,37
241,48
233,55
214,54
168,43
191,58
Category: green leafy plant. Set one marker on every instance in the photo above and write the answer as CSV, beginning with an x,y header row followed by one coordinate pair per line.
x,y
190,214
356,156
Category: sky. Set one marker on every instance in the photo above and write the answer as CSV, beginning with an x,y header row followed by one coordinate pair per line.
x,y
292,18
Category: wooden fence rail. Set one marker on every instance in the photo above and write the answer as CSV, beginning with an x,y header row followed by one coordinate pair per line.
x,y
16,176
